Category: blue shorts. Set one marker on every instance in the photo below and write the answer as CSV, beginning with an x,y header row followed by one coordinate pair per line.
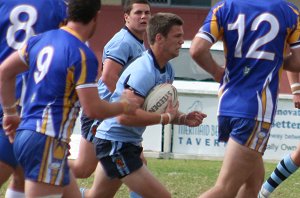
x,y
88,127
118,159
43,158
248,132
7,155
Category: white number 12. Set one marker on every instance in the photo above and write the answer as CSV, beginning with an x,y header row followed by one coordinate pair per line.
x,y
253,51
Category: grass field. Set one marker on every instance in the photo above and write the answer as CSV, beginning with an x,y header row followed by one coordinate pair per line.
x,y
188,178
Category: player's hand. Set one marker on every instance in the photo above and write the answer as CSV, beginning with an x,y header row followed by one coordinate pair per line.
x,y
130,104
172,110
296,100
219,73
10,124
194,118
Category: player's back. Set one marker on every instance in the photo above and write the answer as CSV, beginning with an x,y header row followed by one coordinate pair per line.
x,y
255,31
20,19
56,67
255,34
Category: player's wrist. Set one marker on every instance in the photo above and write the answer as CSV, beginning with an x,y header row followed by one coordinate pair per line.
x,y
295,88
165,118
10,110
125,105
182,119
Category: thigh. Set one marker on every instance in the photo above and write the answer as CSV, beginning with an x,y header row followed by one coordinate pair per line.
x,y
145,184
103,186
240,164
43,158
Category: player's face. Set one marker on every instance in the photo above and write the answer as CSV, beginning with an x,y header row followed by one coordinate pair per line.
x,y
138,18
173,41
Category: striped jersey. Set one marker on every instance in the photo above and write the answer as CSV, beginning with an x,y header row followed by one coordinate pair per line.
x,y
20,19
59,62
256,35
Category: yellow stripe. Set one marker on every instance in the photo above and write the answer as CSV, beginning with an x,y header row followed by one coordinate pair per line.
x,y
42,172
82,77
214,27
45,121
264,99
252,136
71,31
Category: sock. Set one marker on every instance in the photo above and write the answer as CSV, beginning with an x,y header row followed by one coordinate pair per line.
x,y
134,195
10,193
284,169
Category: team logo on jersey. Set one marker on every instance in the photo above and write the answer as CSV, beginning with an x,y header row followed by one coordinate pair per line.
x,y
120,163
246,70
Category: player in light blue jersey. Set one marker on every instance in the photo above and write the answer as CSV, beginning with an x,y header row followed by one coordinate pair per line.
x,y
121,49
124,46
118,139
256,35
61,73
20,19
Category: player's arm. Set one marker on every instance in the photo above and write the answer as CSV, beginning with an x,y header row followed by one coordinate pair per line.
x,y
293,78
9,69
200,52
96,108
144,118
111,73
292,61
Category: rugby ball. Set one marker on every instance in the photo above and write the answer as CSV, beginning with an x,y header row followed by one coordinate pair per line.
x,y
157,99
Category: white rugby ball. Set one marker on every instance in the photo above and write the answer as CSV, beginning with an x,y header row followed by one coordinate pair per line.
x,y
157,99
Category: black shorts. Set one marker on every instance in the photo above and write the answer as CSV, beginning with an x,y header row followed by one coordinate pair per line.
x,y
88,127
118,159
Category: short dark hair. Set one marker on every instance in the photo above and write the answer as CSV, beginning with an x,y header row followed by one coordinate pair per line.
x,y
161,23
83,10
127,4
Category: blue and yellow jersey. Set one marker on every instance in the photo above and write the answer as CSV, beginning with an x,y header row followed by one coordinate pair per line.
x,y
255,41
122,48
21,19
59,63
141,76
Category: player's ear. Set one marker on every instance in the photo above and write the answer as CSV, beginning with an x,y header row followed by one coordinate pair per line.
x,y
159,37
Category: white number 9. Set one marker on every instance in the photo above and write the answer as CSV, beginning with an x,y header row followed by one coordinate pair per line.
x,y
43,63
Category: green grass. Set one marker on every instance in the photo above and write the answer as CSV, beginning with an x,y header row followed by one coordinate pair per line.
x,y
189,178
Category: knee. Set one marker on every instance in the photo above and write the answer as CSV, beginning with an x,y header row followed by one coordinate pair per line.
x,y
17,183
81,171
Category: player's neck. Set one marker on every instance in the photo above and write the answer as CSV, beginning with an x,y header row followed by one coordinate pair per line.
x,y
159,56
82,30
138,34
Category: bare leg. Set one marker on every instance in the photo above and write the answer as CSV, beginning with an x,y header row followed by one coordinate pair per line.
x,y
238,159
18,181
86,162
103,186
145,184
38,189
251,187
5,172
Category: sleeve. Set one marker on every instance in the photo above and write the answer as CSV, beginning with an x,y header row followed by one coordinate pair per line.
x,y
294,36
141,80
119,52
211,29
86,70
